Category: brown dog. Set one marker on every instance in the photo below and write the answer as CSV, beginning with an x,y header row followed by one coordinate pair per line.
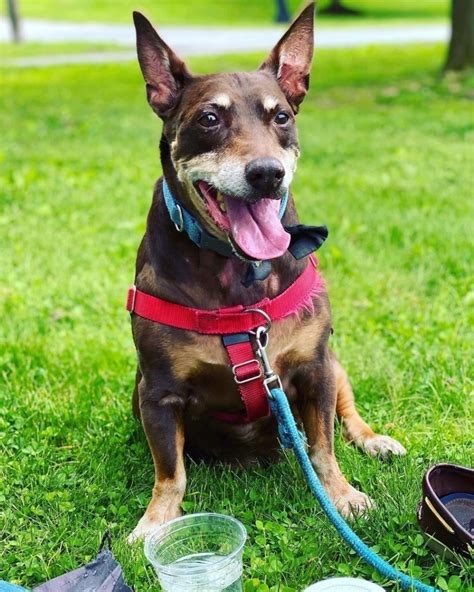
x,y
228,150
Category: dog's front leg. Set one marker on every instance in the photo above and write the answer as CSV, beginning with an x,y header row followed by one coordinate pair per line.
x,y
162,419
316,388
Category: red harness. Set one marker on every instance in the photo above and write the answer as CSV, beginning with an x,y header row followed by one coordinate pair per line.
x,y
235,324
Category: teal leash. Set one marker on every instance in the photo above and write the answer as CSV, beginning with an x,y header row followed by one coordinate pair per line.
x,y
290,437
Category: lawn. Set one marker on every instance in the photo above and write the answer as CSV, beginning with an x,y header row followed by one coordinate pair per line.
x,y
23,50
209,12
386,164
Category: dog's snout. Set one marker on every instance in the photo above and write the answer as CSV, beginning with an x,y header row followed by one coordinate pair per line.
x,y
264,174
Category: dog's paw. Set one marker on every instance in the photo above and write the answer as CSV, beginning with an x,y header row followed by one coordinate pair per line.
x,y
148,523
349,502
383,446
353,503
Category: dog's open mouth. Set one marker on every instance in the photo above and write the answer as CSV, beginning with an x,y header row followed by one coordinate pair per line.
x,y
255,227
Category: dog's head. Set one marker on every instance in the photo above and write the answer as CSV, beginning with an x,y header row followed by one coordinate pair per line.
x,y
232,137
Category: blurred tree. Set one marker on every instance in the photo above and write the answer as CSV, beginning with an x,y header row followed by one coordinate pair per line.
x,y
12,8
283,14
461,46
337,7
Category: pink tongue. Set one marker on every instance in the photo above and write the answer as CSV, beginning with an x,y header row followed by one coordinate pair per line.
x,y
256,228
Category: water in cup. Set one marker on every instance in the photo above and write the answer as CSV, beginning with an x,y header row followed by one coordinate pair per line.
x,y
198,553
230,581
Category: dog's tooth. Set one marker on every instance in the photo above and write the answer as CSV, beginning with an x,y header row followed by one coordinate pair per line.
x,y
220,202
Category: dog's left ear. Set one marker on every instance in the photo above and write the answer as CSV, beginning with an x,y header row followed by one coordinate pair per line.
x,y
290,59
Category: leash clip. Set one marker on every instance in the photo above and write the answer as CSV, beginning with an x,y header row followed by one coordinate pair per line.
x,y
271,380
267,385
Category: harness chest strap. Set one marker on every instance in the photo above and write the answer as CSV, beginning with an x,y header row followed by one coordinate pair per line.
x,y
234,324
231,319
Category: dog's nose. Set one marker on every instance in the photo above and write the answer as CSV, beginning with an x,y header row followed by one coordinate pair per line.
x,y
265,174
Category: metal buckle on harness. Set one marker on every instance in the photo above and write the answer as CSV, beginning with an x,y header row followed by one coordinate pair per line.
x,y
245,380
133,290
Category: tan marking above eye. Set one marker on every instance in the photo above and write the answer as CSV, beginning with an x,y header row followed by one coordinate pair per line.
x,y
221,100
269,103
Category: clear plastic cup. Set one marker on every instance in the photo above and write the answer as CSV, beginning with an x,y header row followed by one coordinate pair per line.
x,y
198,553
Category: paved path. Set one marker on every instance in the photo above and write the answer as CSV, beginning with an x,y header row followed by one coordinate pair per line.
x,y
205,40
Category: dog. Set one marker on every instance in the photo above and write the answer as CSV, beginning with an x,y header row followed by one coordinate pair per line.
x,y
229,149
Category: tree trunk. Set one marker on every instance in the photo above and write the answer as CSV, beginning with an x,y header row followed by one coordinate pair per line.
x,y
12,7
283,14
461,46
337,7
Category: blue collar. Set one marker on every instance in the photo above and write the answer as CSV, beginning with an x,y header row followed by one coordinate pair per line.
x,y
184,221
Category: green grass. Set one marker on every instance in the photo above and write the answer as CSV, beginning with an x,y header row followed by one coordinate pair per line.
x,y
11,50
386,163
208,12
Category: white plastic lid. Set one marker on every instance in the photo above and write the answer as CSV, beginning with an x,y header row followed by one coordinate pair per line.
x,y
344,585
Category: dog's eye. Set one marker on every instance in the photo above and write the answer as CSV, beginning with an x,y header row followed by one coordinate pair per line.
x,y
281,118
209,120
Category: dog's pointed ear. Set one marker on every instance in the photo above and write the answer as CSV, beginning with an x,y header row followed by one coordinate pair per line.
x,y
164,72
290,59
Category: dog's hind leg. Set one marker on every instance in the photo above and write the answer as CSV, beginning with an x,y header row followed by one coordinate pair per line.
x,y
354,428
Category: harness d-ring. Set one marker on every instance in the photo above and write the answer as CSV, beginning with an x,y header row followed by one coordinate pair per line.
x,y
265,316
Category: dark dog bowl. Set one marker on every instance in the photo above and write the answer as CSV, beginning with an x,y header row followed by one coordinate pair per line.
x,y
446,512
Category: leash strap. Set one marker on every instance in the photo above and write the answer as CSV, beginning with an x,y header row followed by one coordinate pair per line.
x,y
290,437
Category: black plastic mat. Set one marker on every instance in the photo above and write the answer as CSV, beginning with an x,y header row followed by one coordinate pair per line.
x,y
103,574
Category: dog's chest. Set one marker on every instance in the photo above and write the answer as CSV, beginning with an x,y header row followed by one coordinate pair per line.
x,y
200,363
292,341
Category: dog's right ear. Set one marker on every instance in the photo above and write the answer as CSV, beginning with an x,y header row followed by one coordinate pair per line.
x,y
164,72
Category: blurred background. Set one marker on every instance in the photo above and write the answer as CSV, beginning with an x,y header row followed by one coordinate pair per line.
x,y
73,23
55,28
387,159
